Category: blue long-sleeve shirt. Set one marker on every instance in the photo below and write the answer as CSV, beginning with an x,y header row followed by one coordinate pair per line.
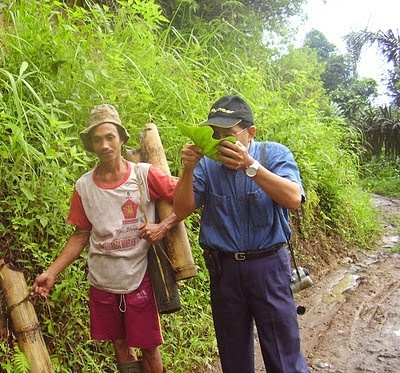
x,y
237,214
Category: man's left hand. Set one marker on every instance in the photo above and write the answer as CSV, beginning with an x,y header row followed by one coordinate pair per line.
x,y
152,232
233,156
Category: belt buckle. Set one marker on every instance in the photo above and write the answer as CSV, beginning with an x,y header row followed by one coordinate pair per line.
x,y
240,256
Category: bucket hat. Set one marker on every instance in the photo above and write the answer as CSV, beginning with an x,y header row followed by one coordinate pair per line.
x,y
229,111
101,114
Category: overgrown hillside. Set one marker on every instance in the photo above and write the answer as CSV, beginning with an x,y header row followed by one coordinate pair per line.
x,y
57,62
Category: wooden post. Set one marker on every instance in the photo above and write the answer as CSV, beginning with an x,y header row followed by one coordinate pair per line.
x,y
178,246
24,319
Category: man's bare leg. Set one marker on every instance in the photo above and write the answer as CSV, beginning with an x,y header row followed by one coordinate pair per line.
x,y
152,360
123,352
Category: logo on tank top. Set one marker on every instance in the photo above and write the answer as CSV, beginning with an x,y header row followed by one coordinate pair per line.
x,y
129,210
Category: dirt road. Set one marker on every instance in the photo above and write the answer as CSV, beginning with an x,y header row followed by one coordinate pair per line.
x,y
352,323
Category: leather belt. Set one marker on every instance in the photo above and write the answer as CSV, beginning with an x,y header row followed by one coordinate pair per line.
x,y
248,255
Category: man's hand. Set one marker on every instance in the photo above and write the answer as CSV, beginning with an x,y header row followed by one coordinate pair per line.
x,y
191,155
152,232
234,155
43,284
71,251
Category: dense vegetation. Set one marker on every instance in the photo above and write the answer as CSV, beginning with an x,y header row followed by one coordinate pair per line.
x,y
57,62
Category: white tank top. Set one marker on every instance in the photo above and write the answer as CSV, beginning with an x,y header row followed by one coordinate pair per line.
x,y
117,258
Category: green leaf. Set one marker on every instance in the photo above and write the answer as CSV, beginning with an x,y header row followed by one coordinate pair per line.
x,y
44,221
23,67
28,194
202,137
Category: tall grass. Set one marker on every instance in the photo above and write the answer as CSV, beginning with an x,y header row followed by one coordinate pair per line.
x,y
381,176
58,62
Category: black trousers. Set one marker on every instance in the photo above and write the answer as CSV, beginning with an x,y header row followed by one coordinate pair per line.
x,y
256,291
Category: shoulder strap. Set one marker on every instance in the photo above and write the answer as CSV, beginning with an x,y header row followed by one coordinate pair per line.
x,y
263,157
140,187
278,211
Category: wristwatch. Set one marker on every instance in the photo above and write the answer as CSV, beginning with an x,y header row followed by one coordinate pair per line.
x,y
252,170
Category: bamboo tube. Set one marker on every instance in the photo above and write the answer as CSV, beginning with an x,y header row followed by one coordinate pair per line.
x,y
163,279
161,272
3,323
24,319
178,246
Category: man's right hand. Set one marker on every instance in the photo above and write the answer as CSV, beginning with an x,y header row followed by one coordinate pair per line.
x,y
43,284
71,251
191,155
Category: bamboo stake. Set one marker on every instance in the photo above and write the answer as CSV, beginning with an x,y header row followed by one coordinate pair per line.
x,y
178,246
24,319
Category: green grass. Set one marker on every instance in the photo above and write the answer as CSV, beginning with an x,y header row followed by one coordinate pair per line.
x,y
389,186
381,176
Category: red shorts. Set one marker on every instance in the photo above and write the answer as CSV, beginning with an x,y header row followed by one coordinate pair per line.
x,y
132,316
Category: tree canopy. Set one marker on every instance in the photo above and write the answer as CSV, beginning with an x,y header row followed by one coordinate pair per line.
x,y
389,45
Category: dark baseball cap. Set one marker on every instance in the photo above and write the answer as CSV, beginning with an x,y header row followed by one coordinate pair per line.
x,y
229,111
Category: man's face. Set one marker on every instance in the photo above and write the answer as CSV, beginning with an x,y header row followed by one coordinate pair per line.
x,y
222,133
244,135
106,142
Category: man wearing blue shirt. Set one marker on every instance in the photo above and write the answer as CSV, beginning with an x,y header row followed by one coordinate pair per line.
x,y
243,238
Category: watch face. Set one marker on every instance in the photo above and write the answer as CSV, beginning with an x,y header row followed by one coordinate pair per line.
x,y
251,171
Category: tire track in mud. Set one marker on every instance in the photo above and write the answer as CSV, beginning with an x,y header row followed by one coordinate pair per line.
x,y
376,329
361,332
